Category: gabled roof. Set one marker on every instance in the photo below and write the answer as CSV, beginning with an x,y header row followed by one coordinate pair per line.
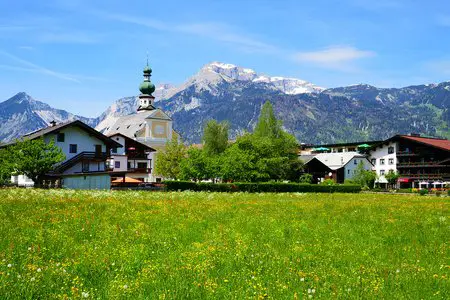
x,y
443,144
337,160
77,123
132,140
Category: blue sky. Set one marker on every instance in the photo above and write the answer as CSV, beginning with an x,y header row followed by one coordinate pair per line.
x,y
82,55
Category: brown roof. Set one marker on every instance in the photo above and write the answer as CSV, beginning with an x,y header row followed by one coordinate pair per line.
x,y
435,142
44,131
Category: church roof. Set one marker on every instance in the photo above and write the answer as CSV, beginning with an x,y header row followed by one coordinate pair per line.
x,y
131,124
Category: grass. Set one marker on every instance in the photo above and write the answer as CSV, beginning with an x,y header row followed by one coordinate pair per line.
x,y
141,245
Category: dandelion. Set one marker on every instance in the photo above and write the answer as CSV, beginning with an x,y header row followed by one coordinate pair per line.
x,y
9,265
84,294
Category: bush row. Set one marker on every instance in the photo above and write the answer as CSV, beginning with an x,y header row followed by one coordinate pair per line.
x,y
262,187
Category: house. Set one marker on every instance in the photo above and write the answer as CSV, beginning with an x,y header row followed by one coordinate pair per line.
x,y
420,161
87,151
149,126
133,159
336,166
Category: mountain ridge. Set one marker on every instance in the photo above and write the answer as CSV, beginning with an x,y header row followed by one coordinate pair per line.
x,y
228,92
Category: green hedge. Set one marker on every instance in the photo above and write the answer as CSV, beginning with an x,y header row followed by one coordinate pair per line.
x,y
261,187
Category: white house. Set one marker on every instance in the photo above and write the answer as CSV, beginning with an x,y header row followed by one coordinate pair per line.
x,y
87,156
133,160
384,159
337,166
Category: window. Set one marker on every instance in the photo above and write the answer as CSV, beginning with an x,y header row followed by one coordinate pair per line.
x,y
348,172
142,165
390,150
382,161
355,162
117,164
60,137
73,148
114,150
85,166
351,149
391,161
373,161
382,172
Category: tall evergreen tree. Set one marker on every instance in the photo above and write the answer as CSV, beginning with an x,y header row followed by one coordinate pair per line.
x,y
215,137
268,125
168,161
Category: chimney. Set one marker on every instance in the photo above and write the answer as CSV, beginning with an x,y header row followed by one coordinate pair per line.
x,y
53,123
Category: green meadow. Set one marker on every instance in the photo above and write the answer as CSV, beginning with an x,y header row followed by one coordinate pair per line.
x,y
57,244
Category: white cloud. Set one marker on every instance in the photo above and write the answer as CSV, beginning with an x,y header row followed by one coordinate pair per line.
x,y
336,57
28,66
211,30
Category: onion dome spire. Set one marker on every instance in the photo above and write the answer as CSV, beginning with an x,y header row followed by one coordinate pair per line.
x,y
146,99
147,87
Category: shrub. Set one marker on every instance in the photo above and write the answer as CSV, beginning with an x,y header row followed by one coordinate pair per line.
x,y
423,192
172,185
262,187
405,191
328,182
306,178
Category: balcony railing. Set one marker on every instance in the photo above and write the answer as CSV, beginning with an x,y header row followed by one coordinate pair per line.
x,y
140,170
426,176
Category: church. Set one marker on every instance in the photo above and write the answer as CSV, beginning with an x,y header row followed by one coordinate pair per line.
x,y
142,135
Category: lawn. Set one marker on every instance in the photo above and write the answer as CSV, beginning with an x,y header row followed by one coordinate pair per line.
x,y
144,245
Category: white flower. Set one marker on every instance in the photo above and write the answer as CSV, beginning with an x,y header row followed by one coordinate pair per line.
x,y
313,291
19,276
310,296
29,248
38,270
398,271
309,291
84,294
349,290
302,279
32,279
125,286
9,265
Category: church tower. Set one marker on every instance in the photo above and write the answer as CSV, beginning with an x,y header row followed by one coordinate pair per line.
x,y
146,99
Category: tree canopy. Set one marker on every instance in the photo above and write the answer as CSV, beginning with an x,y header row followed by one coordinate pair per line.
x,y
169,159
215,137
33,158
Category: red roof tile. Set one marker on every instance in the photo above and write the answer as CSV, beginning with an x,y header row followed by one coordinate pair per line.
x,y
438,143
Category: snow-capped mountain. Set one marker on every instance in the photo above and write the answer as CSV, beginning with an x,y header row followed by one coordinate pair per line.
x,y
213,79
212,75
22,114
